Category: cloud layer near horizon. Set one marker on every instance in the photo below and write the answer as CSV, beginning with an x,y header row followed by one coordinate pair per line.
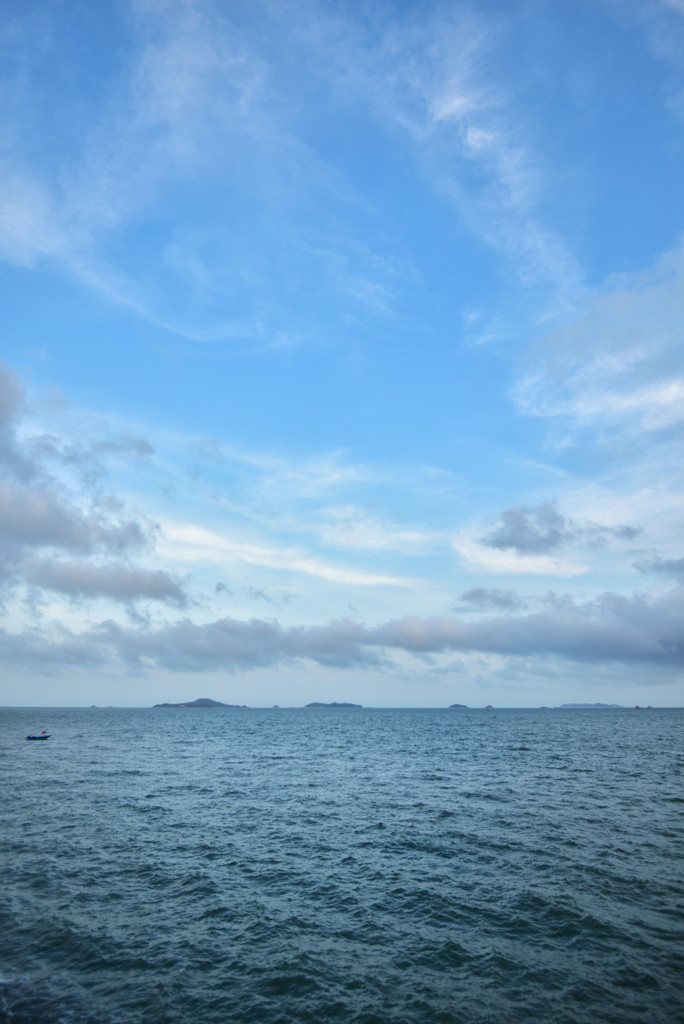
x,y
640,628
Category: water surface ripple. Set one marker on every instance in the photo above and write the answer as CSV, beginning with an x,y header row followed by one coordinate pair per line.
x,y
368,867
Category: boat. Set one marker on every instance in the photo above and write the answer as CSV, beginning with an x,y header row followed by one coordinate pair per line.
x,y
43,736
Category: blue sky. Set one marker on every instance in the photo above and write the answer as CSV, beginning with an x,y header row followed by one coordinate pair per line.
x,y
342,352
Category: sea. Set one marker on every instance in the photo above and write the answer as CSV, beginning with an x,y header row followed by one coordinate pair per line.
x,y
365,866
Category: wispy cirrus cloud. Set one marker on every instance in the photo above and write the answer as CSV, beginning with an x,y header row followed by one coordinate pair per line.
x,y
481,557
357,527
192,544
193,119
201,117
441,81
620,365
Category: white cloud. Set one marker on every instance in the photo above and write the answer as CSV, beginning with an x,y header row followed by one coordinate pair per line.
x,y
620,364
354,527
193,544
482,558
655,406
442,83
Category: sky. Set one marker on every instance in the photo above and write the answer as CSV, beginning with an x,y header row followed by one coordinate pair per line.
x,y
342,352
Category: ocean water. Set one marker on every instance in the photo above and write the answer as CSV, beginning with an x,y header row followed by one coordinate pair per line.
x,y
366,866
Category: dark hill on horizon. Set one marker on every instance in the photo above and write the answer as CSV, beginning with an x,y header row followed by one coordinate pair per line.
x,y
590,706
334,704
201,702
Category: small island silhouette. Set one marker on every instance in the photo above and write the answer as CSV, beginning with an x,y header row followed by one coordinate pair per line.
x,y
201,702
458,706
334,704
590,706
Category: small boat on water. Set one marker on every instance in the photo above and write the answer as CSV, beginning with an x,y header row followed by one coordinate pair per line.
x,y
45,735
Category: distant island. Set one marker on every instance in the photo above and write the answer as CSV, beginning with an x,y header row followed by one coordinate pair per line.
x,y
334,704
560,706
202,702
458,705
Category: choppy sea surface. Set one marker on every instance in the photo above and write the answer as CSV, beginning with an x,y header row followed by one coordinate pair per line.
x,y
368,866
